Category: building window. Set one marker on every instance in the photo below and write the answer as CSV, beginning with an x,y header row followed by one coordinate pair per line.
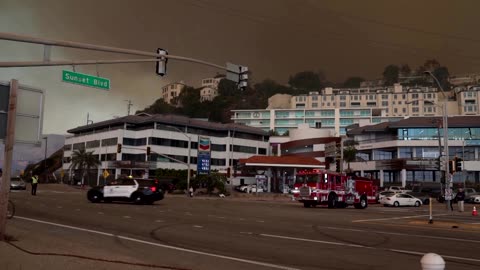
x,y
415,96
219,147
109,142
404,110
395,110
262,151
135,142
385,103
93,144
372,104
315,105
78,146
67,147
243,149
343,104
384,96
415,109
343,97
315,98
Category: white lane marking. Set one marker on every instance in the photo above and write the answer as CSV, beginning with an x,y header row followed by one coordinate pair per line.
x,y
197,226
360,246
311,240
261,221
59,207
394,218
100,213
77,209
127,217
188,214
246,232
404,234
241,219
159,221
276,266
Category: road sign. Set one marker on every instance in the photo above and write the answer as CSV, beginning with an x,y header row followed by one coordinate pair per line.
x,y
105,174
29,119
85,80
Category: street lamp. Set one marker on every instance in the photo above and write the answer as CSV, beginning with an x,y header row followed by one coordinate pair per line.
x,y
445,126
189,153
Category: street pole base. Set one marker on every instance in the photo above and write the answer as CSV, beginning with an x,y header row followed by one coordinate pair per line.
x,y
430,221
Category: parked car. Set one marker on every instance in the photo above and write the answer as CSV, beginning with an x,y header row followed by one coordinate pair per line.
x,y
401,199
16,183
397,189
140,191
469,192
473,199
239,187
425,193
383,194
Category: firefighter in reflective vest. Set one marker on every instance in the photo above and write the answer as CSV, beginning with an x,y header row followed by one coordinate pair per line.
x,y
34,185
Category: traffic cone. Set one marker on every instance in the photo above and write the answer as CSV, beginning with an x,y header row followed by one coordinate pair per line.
x,y
474,211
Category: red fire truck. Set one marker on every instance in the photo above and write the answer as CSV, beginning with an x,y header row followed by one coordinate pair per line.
x,y
321,187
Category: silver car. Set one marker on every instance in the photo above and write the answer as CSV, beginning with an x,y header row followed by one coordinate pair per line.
x,y
16,183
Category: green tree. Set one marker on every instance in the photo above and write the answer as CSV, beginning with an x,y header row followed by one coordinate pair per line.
x,y
353,82
306,80
84,161
189,100
213,181
219,109
227,88
158,107
349,152
405,70
430,65
390,74
442,74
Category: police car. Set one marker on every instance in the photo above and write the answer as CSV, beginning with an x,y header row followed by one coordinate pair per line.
x,y
139,191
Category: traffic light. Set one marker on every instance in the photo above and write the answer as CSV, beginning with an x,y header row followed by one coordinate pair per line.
x,y
161,68
238,74
148,150
458,164
119,148
337,165
243,78
451,166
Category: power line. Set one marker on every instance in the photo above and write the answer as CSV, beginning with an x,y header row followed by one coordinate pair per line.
x,y
333,35
395,26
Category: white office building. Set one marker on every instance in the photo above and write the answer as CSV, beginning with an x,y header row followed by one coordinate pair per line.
x,y
168,138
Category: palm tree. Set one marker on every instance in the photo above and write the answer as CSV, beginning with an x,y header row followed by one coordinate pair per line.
x,y
84,161
349,152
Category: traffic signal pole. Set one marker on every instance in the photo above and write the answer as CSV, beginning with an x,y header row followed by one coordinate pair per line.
x,y
92,47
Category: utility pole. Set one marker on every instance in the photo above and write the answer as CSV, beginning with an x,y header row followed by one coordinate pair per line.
x,y
9,142
129,105
45,160
88,119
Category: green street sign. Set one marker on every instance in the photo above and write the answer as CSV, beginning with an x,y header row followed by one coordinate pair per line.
x,y
85,79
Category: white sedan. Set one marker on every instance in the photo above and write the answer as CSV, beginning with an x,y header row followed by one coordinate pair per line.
x,y
400,199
